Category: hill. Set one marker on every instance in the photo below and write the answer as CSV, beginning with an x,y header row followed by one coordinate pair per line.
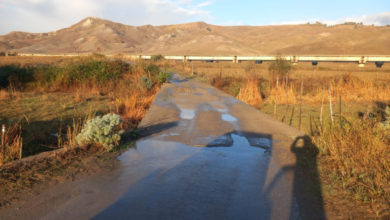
x,y
199,38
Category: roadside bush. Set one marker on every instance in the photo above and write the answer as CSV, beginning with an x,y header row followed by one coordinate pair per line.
x,y
163,77
146,82
357,155
279,68
101,71
153,70
156,58
14,75
84,72
101,130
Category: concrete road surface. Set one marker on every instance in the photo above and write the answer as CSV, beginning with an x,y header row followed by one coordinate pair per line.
x,y
203,155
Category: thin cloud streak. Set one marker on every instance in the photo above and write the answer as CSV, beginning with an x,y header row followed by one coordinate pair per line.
x,y
379,19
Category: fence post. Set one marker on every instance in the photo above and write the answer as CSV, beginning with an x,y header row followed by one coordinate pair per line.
x,y
322,107
300,106
330,103
340,110
3,140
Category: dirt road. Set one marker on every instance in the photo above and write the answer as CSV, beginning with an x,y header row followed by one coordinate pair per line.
x,y
203,155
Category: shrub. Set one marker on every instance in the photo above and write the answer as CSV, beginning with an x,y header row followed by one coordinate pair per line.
x,y
163,77
279,68
153,70
356,154
156,58
14,75
84,72
386,118
101,130
146,82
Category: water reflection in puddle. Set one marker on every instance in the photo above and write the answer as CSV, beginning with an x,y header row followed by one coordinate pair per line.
x,y
261,142
228,117
152,148
187,114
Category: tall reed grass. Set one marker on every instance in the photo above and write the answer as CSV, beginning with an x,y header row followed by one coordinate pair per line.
x,y
11,142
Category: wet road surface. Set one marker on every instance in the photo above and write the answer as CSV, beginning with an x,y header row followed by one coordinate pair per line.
x,y
203,155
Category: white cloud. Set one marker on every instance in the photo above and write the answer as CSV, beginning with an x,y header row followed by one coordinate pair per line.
x,y
375,19
49,15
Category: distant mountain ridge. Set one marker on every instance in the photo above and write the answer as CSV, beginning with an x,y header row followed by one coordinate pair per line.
x,y
199,38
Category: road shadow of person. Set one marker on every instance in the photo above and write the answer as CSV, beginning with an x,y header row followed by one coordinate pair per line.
x,y
306,201
307,185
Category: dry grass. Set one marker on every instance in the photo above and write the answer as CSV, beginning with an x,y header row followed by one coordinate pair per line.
x,y
57,101
11,143
133,107
250,93
4,94
357,155
25,61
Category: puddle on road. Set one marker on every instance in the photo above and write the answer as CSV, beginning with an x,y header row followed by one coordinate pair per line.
x,y
187,113
265,143
228,117
154,148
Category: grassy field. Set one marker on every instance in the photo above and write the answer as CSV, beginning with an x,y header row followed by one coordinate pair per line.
x,y
45,101
341,106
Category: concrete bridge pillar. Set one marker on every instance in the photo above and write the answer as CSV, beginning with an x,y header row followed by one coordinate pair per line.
x,y
362,61
235,59
294,60
379,64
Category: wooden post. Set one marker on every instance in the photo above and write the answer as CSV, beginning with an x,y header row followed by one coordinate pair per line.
x,y
2,141
322,107
21,150
340,110
276,95
300,106
287,105
292,115
330,104
192,65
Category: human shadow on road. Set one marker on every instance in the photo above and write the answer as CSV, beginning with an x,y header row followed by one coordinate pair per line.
x,y
307,201
307,185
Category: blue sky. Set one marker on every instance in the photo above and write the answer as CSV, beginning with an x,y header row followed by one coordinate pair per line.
x,y
50,15
297,11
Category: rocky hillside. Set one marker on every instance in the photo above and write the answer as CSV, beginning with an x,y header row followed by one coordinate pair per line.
x,y
103,36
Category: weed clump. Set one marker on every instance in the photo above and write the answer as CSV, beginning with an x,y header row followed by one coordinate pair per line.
x,y
250,93
146,82
386,121
101,130
357,154
279,69
163,77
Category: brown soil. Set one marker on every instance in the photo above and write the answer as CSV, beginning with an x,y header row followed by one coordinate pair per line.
x,y
21,180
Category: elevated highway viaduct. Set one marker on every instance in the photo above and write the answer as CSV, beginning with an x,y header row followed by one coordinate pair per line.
x,y
379,60
360,60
